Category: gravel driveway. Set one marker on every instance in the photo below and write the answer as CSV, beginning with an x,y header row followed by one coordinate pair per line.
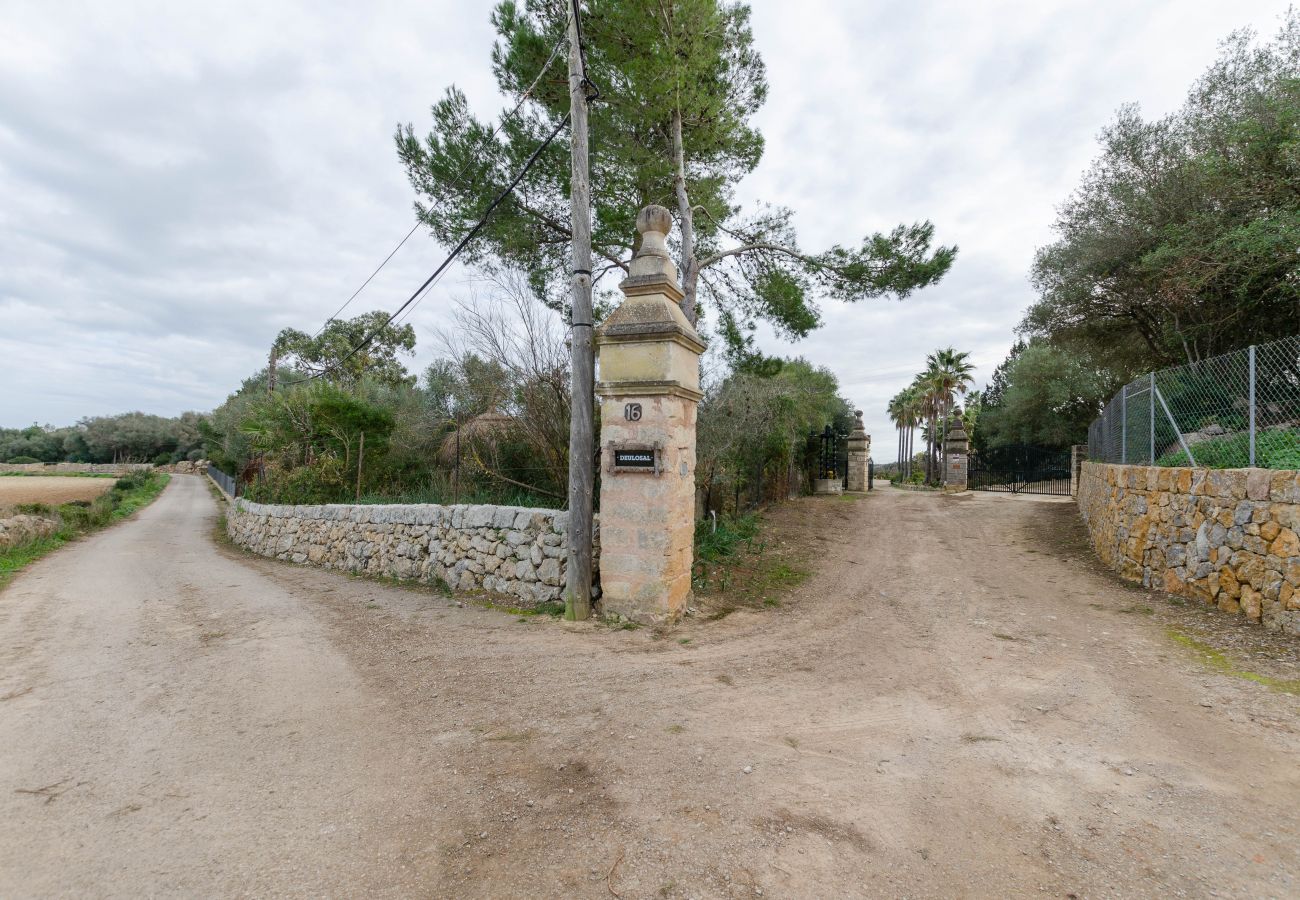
x,y
957,703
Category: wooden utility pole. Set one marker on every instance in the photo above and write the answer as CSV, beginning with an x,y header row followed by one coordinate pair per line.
x,y
270,368
361,455
577,590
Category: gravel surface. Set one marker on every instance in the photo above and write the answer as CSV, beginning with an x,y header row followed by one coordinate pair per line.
x,y
958,702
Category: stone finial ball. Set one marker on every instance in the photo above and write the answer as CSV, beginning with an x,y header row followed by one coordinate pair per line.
x,y
654,218
858,413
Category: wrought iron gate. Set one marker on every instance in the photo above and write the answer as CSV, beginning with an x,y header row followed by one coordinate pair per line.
x,y
1021,469
832,449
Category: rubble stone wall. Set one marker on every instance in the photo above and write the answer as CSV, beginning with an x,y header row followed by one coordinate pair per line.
x,y
506,550
65,468
20,529
1230,537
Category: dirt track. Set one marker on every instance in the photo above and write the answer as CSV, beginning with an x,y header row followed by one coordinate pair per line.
x,y
950,706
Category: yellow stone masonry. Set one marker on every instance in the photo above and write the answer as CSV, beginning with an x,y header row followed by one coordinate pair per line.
x,y
1227,537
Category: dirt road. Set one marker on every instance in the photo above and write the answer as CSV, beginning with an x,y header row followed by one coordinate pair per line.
x,y
955,704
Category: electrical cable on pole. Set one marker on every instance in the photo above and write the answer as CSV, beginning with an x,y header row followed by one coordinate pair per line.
x,y
456,251
577,589
458,181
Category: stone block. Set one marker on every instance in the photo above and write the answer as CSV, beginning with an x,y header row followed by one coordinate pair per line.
x,y
1285,544
1258,484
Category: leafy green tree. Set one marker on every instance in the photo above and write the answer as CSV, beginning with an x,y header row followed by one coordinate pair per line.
x,y
42,444
333,355
680,82
973,409
1183,240
134,437
467,387
752,430
1049,397
310,440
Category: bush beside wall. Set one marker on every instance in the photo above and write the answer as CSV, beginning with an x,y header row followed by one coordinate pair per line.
x,y
505,550
1230,537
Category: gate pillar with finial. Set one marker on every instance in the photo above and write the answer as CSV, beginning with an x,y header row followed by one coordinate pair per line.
x,y
649,388
957,451
859,446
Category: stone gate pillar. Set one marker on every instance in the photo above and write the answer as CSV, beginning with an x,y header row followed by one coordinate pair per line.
x,y
649,387
859,449
957,448
1078,455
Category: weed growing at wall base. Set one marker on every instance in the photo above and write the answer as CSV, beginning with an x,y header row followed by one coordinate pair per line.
x,y
1221,662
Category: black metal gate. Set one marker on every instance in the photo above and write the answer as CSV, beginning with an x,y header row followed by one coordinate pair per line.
x,y
1021,469
832,451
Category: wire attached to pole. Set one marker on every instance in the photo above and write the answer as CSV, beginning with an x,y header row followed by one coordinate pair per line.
x,y
593,92
473,232
458,181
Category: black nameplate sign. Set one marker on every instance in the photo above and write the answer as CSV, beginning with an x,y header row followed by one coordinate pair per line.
x,y
635,459
631,457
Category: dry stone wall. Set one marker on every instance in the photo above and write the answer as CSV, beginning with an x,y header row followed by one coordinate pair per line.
x,y
67,468
504,550
1230,537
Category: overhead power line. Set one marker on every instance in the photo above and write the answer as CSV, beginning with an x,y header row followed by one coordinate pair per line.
x,y
347,302
458,181
464,241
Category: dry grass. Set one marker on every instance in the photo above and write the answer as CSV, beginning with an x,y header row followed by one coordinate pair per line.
x,y
51,489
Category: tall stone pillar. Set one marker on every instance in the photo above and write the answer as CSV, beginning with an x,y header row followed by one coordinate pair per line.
x,y
859,444
957,449
649,388
1078,455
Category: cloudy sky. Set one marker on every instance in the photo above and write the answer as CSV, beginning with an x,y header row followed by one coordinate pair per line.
x,y
179,181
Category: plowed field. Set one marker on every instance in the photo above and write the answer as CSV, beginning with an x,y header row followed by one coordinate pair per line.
x,y
51,489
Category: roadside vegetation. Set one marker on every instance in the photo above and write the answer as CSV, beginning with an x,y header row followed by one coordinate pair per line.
x,y
77,519
746,562
1275,448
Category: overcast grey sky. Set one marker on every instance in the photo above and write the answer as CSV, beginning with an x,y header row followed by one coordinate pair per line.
x,y
179,181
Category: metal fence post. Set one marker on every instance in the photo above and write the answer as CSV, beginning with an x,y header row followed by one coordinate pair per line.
x,y
1252,405
1151,416
1123,425
1191,460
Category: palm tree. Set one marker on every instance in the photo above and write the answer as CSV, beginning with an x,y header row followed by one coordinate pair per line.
x,y
906,411
898,416
950,374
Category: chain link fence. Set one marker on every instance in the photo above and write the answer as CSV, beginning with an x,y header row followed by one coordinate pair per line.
x,y
1226,412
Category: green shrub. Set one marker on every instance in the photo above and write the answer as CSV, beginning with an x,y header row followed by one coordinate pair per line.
x,y
1275,448
713,545
34,509
131,482
24,460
